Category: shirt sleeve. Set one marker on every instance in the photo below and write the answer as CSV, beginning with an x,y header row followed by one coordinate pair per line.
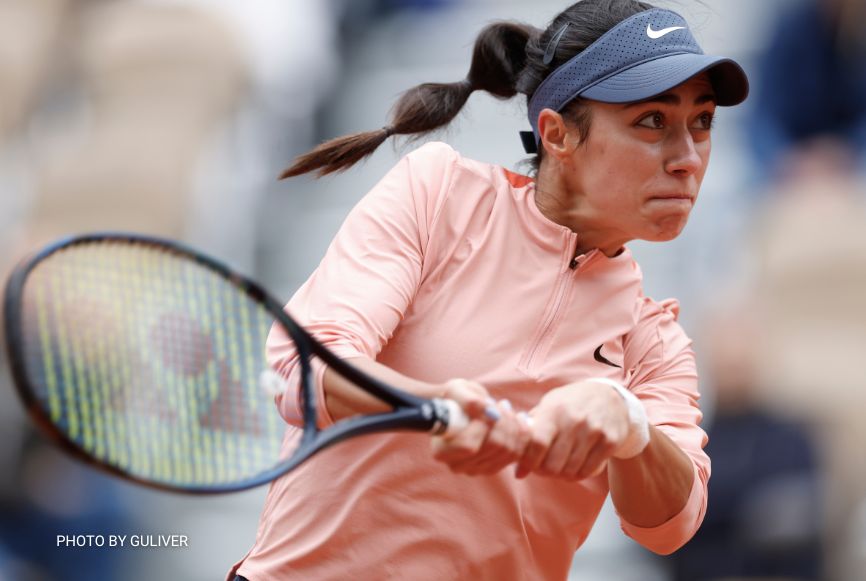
x,y
369,275
662,373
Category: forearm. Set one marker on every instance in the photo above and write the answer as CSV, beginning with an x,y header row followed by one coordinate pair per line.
x,y
652,487
343,399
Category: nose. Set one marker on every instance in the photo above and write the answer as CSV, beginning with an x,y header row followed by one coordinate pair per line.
x,y
682,158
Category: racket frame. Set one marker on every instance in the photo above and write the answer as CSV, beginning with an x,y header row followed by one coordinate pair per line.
x,y
411,412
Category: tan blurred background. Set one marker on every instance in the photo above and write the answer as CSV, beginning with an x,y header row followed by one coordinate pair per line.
x,y
173,117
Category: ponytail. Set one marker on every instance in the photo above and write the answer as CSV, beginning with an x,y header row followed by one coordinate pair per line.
x,y
508,58
498,58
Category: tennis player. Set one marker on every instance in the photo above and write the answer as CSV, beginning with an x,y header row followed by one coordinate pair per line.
x,y
455,278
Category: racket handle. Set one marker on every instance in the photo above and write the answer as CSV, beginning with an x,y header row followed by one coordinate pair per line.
x,y
457,419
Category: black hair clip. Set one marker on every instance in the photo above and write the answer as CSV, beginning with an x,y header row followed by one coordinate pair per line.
x,y
550,51
529,144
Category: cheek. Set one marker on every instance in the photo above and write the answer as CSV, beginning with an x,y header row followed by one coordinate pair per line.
x,y
703,150
624,167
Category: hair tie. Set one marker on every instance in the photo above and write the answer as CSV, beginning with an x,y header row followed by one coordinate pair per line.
x,y
389,130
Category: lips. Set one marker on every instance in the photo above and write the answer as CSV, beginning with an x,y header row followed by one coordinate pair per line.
x,y
672,197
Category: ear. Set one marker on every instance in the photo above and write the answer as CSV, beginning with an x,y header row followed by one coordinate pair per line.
x,y
557,140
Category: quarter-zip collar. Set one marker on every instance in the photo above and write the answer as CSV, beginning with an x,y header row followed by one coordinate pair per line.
x,y
552,235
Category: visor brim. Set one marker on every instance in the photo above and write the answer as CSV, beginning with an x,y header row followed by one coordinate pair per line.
x,y
654,77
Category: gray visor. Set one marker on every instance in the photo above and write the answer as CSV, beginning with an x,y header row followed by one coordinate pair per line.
x,y
642,56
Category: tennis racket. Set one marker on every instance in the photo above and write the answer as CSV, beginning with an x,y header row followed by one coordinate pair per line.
x,y
147,359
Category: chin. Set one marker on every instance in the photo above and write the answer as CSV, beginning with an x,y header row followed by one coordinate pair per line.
x,y
667,230
660,237
665,235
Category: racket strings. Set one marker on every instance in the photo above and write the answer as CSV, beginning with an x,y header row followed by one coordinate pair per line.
x,y
150,362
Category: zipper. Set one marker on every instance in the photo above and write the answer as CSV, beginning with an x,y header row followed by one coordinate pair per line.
x,y
565,277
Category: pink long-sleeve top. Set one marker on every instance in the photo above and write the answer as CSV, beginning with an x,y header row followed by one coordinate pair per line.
x,y
446,269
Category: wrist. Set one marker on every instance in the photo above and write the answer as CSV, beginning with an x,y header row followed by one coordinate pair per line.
x,y
638,424
457,389
429,390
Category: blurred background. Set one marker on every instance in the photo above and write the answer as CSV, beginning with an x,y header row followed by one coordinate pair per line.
x,y
174,117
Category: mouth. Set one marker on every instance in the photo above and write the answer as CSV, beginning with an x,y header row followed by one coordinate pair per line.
x,y
678,199
687,197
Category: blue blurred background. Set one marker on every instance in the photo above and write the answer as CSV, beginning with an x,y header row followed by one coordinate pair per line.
x,y
174,117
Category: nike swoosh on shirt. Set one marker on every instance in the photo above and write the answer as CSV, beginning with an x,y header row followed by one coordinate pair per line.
x,y
654,34
602,359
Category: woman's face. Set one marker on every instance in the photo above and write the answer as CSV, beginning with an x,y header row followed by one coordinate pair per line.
x,y
638,173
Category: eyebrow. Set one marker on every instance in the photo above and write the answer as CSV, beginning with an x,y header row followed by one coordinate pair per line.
x,y
671,99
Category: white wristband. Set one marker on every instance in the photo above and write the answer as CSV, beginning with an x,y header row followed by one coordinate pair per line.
x,y
638,424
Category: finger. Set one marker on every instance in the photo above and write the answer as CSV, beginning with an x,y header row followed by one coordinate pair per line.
x,y
524,433
493,460
474,467
464,445
596,459
504,434
513,453
503,445
437,445
578,456
484,408
531,459
558,455
536,448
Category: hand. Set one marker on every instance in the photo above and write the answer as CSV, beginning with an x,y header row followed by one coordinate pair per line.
x,y
486,445
576,429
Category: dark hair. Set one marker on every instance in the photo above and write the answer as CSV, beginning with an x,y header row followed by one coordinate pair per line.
x,y
508,58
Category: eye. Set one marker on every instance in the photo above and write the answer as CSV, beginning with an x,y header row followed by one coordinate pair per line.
x,y
653,120
704,121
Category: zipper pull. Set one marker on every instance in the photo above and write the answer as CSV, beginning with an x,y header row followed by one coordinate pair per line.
x,y
575,262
